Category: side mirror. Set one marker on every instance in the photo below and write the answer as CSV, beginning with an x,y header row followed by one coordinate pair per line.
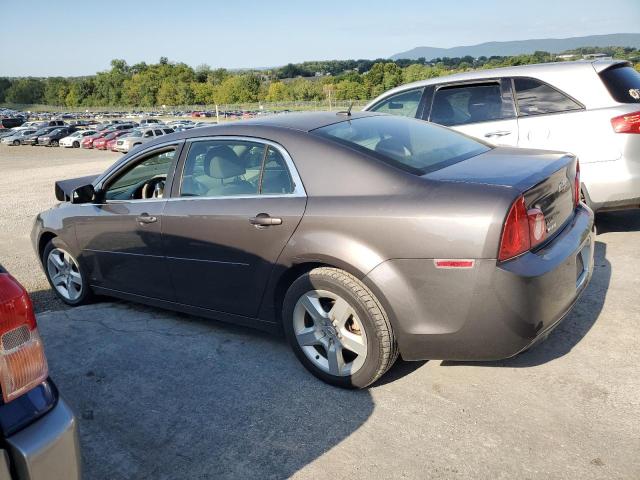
x,y
84,194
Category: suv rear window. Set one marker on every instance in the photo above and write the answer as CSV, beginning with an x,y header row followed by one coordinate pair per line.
x,y
537,98
623,83
413,145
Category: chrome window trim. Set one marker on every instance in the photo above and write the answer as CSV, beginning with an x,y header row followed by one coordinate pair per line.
x,y
298,190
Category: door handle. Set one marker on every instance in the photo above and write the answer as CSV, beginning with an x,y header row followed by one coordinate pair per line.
x,y
499,133
146,218
264,220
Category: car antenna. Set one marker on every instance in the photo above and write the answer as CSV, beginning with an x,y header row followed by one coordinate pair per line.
x,y
346,112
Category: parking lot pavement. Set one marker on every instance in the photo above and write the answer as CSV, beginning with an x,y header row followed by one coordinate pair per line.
x,y
164,396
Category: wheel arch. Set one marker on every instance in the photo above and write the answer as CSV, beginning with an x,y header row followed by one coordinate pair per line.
x,y
44,239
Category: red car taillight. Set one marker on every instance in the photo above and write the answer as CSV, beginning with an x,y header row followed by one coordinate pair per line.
x,y
523,229
23,364
576,185
627,123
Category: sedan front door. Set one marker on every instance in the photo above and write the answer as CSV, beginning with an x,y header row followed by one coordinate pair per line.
x,y
236,206
121,236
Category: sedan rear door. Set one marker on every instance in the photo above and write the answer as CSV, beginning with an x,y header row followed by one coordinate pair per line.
x,y
233,210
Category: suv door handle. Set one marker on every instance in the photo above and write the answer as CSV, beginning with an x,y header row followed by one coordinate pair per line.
x,y
499,133
264,220
146,218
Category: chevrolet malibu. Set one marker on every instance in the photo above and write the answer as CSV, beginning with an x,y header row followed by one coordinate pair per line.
x,y
363,237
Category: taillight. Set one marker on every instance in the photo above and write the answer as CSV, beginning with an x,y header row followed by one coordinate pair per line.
x,y
523,229
576,185
23,364
627,123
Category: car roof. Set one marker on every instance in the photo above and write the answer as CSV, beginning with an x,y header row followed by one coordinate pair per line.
x,y
559,74
301,121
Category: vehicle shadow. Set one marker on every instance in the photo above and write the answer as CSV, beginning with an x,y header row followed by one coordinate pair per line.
x,y
572,329
161,395
624,221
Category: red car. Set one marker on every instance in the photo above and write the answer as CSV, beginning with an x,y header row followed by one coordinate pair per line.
x,y
101,143
88,142
111,142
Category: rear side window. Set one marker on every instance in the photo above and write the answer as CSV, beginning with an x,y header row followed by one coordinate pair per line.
x,y
623,83
405,103
537,98
412,145
460,105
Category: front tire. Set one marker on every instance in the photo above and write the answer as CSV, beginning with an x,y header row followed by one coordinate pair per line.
x,y
16,143
76,144
65,275
54,143
338,329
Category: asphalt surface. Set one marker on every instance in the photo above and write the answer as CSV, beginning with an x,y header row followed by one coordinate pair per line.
x,y
166,396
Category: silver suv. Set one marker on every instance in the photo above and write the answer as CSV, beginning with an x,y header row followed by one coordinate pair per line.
x,y
140,136
589,108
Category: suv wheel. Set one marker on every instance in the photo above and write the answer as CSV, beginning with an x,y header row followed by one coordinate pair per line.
x,y
65,274
338,329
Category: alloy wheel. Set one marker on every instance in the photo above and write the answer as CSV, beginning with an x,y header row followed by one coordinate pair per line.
x,y
64,274
330,333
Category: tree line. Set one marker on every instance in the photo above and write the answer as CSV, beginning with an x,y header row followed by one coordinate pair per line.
x,y
173,84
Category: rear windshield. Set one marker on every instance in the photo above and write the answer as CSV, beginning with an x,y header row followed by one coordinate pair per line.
x,y
623,83
413,145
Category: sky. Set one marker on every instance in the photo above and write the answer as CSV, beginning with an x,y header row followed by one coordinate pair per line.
x,y
69,38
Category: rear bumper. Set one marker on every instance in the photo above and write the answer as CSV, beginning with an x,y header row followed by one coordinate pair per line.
x,y
491,311
613,185
47,449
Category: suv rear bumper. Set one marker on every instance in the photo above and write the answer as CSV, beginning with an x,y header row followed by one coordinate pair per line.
x,y
47,449
493,310
612,185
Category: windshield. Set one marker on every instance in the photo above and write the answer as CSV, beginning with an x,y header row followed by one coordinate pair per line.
x,y
413,145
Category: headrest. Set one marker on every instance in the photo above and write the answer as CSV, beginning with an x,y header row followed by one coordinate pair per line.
x,y
223,163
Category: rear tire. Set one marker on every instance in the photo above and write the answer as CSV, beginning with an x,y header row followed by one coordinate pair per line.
x,y
76,144
54,143
16,143
65,274
338,329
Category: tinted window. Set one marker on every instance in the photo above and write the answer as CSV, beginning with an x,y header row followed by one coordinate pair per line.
x,y
129,184
275,176
623,82
405,104
537,98
470,104
220,168
158,132
413,145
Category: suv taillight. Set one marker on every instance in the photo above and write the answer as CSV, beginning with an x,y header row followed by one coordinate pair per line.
x,y
627,123
23,364
523,229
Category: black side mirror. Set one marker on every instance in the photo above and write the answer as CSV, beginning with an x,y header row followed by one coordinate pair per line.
x,y
84,194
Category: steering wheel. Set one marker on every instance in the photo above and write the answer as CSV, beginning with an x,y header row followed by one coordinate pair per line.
x,y
154,188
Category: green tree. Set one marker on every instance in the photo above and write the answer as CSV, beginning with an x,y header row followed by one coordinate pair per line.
x,y
25,91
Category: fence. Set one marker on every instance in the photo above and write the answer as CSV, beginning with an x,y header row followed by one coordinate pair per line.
x,y
261,106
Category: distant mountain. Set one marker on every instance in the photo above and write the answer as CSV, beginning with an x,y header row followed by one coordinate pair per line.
x,y
517,47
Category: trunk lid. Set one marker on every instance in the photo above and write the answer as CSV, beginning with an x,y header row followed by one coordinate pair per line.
x,y
546,179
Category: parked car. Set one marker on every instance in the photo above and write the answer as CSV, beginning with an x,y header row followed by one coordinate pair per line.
x,y
87,142
38,429
148,122
111,143
17,137
52,139
75,138
588,108
362,236
11,122
140,136
33,138
101,143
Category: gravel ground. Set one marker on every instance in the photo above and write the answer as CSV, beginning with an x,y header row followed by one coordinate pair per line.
x,y
165,396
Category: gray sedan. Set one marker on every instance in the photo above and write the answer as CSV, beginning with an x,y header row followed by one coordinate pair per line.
x,y
363,237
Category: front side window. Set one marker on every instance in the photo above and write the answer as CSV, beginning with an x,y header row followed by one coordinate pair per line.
x,y
226,168
145,179
465,104
404,104
537,98
411,145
